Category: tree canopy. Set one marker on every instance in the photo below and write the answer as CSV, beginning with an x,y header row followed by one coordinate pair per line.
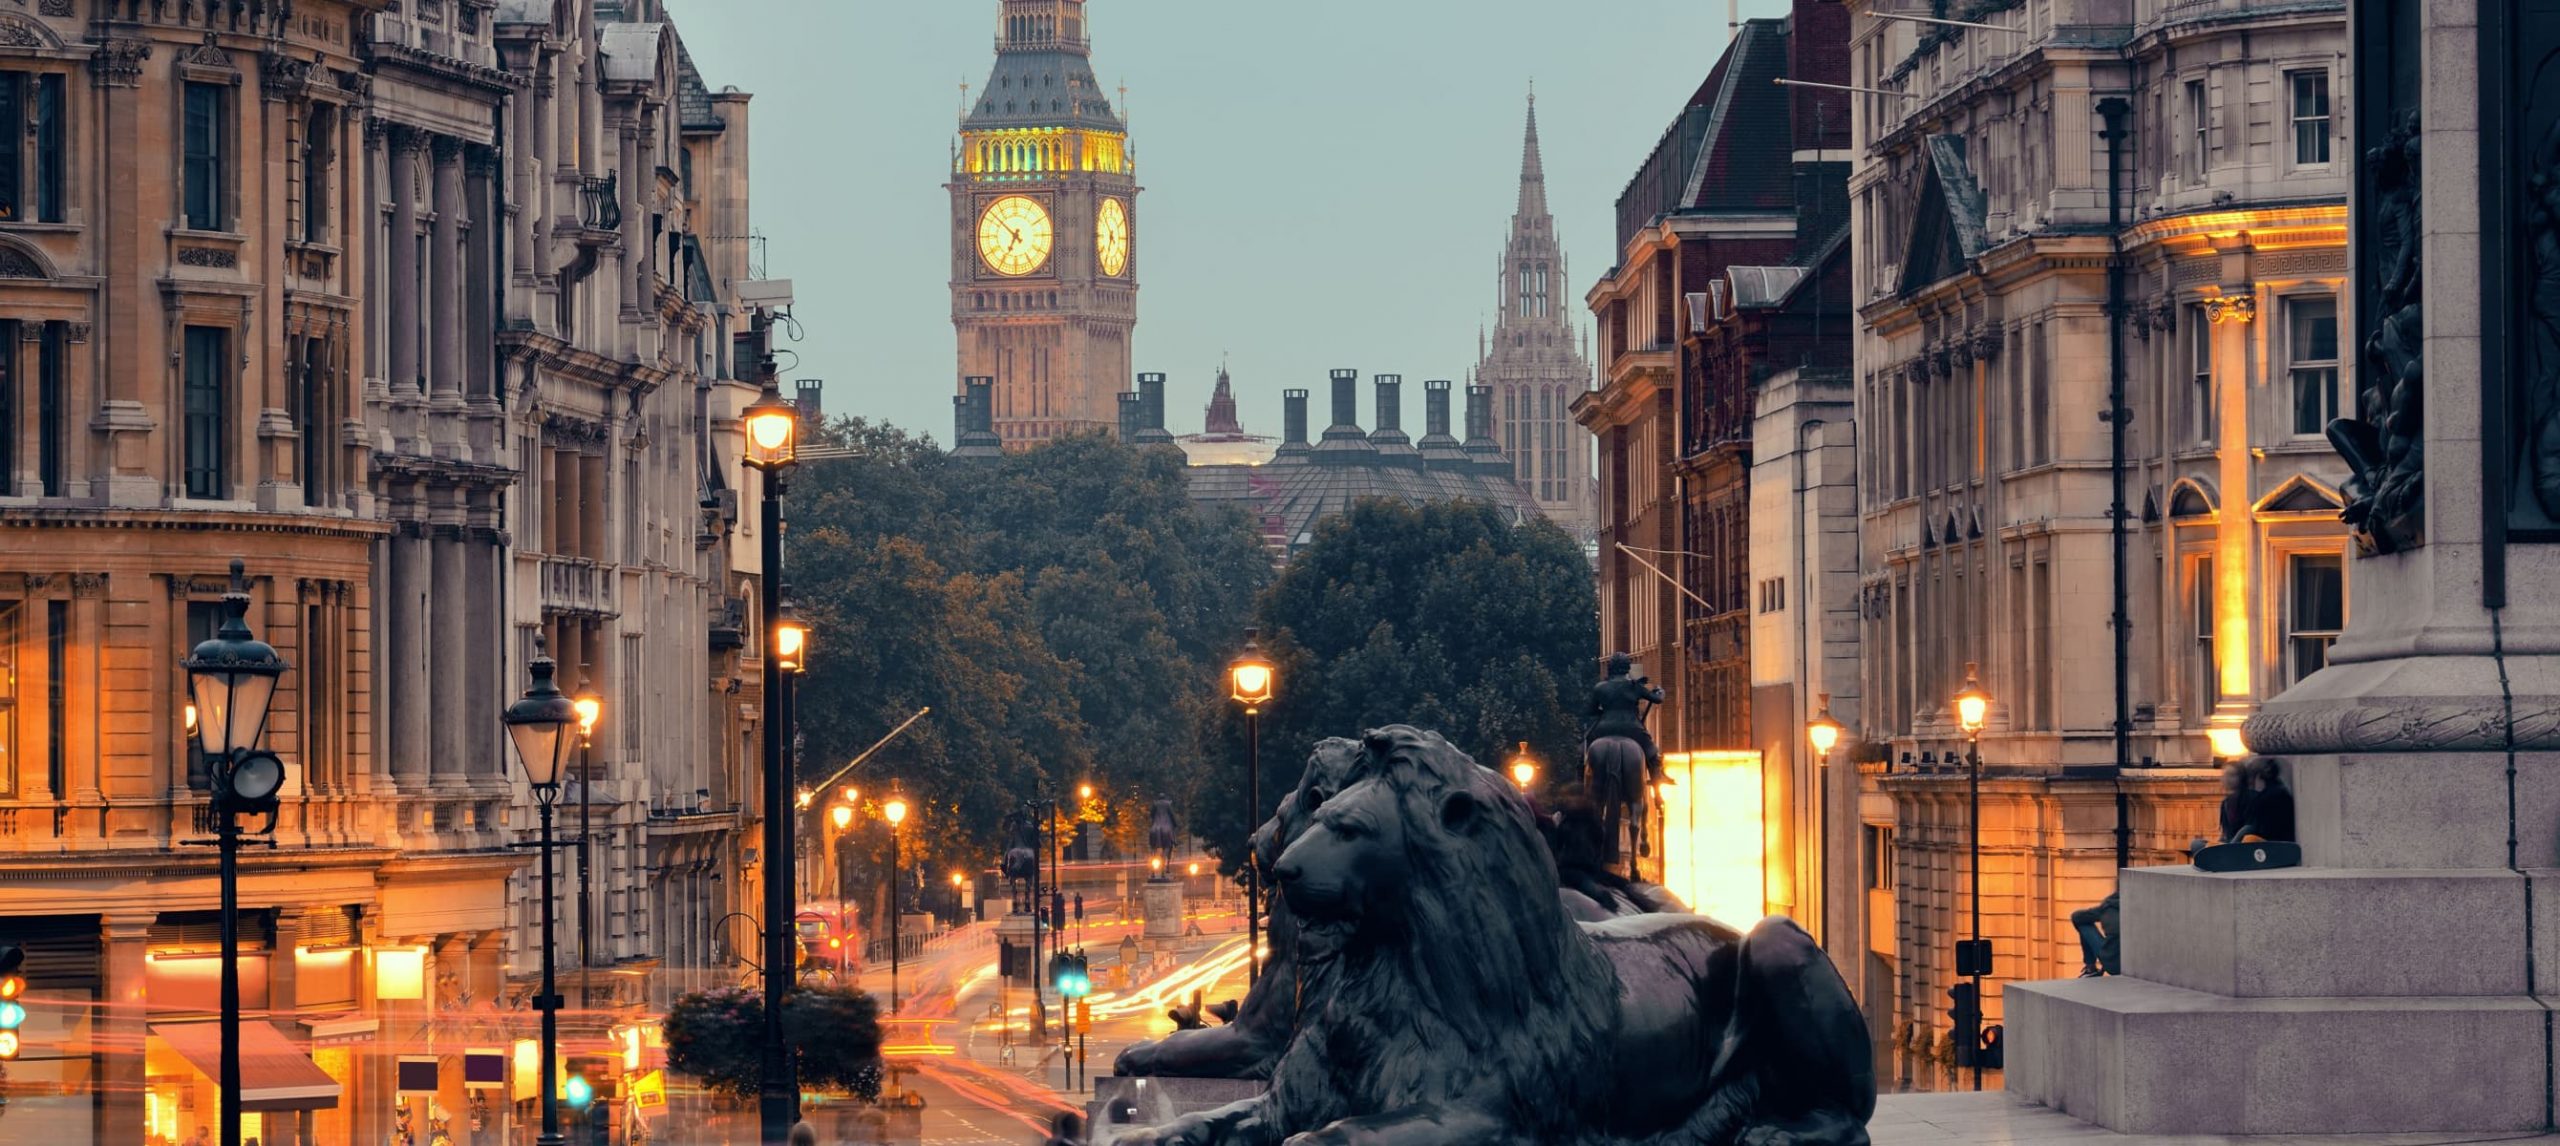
x,y
1064,611
717,1037
1446,616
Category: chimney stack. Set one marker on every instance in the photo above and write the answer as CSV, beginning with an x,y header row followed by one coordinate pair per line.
x,y
1480,447
1133,414
1151,429
1343,441
1439,449
976,411
1293,423
1389,438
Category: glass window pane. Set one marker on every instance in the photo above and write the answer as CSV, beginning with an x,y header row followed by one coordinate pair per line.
x,y
2319,597
2315,329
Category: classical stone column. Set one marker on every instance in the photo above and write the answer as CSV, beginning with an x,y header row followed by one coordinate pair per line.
x,y
403,691
122,1023
449,634
635,243
401,313
446,299
485,629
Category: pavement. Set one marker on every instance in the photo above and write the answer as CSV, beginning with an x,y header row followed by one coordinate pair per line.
x,y
959,1037
1994,1118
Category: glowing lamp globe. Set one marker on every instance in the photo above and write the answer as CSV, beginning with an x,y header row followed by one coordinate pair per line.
x,y
1973,706
773,430
1822,730
232,677
1250,675
895,811
590,709
534,724
842,814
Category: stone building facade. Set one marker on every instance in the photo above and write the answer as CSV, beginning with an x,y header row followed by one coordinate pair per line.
x,y
1530,361
627,352
1983,238
317,285
1744,186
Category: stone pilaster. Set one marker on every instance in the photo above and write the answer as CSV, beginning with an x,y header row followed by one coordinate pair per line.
x,y
402,311
446,294
122,1022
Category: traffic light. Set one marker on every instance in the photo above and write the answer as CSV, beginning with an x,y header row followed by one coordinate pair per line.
x,y
1079,907
1057,911
1966,1010
1067,971
1973,957
13,1013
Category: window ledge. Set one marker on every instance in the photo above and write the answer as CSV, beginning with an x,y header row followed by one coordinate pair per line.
x,y
31,227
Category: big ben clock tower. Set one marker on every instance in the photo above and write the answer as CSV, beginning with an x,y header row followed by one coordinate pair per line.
x,y
1044,262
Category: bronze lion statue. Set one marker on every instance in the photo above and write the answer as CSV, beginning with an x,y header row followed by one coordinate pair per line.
x,y
1248,1046
1466,1006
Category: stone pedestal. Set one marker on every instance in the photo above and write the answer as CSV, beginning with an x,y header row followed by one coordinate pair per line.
x,y
2393,983
1161,900
1120,1104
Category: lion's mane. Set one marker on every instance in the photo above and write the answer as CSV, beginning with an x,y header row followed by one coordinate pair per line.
x,y
1480,986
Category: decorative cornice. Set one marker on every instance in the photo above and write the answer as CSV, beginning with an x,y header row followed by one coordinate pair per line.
x,y
2406,725
117,62
487,79
283,77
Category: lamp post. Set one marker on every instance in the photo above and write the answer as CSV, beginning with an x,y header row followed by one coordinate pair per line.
x,y
772,447
590,708
1524,767
894,811
1249,681
232,677
535,724
842,816
1824,733
1972,706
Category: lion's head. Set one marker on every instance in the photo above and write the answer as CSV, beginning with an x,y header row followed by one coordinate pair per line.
x,y
1428,870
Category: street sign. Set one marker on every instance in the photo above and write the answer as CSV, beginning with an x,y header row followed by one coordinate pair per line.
x,y
650,1090
1084,1017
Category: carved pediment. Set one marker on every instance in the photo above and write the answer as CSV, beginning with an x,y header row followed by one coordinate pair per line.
x,y
20,32
2302,494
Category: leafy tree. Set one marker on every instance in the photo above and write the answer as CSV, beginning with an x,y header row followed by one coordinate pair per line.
x,y
1063,610
717,1037
1445,616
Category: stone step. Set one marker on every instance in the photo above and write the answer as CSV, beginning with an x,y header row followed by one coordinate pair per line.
x,y
2319,932
2140,1057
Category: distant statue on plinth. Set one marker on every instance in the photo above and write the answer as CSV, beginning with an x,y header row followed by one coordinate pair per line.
x,y
1620,763
1021,857
1161,835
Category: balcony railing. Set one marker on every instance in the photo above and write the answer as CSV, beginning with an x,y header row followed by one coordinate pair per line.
x,y
600,203
575,585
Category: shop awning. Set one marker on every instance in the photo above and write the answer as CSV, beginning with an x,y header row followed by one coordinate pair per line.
x,y
274,1073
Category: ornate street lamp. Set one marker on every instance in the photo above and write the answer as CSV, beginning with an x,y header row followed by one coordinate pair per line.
x,y
1822,730
1250,679
536,724
1973,708
790,639
231,679
590,709
894,811
772,428
1524,767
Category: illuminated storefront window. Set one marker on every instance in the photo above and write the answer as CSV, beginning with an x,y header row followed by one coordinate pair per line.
x,y
1712,838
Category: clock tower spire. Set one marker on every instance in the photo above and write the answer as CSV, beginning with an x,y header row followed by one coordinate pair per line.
x,y
1044,287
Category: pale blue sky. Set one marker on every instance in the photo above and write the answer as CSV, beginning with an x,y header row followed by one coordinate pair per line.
x,y
1327,182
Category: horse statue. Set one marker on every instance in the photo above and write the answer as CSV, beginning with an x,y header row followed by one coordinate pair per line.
x,y
1021,865
1160,831
1619,761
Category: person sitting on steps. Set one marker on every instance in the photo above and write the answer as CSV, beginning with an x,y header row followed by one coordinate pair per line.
x,y
2234,813
2270,815
2101,931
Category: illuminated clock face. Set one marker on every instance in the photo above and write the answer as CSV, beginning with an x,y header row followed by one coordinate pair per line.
x,y
1111,237
1014,235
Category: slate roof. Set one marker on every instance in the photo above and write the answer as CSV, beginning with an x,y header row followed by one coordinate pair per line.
x,y
1043,86
693,97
